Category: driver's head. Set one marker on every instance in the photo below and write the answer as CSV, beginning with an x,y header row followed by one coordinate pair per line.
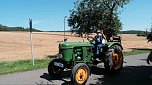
x,y
99,31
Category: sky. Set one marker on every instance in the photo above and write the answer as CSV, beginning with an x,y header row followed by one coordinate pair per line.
x,y
48,15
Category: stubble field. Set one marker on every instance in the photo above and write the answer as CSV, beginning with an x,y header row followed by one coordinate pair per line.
x,y
16,45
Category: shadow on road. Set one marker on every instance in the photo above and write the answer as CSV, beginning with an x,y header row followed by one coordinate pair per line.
x,y
130,75
63,77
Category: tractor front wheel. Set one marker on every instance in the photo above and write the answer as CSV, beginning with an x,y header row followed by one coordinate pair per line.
x,y
80,74
55,68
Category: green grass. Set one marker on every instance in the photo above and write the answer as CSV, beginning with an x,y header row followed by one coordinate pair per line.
x,y
135,52
22,65
26,65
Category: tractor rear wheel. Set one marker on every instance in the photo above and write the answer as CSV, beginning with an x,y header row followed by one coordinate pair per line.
x,y
114,59
80,74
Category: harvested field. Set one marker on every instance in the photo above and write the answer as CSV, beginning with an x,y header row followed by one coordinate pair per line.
x,y
16,45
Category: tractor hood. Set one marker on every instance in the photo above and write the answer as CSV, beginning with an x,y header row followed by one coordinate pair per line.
x,y
74,44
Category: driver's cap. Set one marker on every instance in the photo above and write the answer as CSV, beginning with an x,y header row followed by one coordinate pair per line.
x,y
98,31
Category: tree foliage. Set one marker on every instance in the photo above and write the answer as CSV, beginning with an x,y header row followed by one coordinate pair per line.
x,y
90,15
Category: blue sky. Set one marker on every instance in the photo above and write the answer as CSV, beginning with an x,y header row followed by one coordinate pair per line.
x,y
137,15
48,15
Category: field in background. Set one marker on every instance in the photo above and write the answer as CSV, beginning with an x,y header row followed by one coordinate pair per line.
x,y
16,46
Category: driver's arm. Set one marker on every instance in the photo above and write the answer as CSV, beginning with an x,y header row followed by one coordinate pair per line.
x,y
89,38
104,36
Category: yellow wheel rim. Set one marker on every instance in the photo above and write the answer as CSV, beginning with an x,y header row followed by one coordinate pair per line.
x,y
81,75
115,57
117,60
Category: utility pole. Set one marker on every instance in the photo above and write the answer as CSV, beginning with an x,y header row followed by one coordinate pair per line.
x,y
31,45
64,27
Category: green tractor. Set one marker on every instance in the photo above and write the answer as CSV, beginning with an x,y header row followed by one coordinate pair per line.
x,y
79,56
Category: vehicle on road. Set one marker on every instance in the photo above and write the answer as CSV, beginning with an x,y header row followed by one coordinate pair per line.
x,y
79,56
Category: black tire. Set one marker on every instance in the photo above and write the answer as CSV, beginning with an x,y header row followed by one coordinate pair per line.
x,y
114,64
54,70
78,68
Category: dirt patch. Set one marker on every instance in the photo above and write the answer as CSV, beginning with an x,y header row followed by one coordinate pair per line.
x,y
16,45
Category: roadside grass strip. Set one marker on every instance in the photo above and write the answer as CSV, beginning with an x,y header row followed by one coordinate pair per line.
x,y
26,65
22,65
135,52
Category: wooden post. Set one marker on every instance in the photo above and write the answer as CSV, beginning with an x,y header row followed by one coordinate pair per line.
x,y
31,45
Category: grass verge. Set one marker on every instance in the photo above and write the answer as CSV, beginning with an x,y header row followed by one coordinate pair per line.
x,y
26,65
135,52
22,65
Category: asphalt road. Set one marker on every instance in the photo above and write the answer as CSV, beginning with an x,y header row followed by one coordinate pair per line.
x,y
135,72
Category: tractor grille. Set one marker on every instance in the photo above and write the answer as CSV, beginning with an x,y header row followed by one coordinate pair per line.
x,y
78,53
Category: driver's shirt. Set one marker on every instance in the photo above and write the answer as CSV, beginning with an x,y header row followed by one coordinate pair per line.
x,y
98,43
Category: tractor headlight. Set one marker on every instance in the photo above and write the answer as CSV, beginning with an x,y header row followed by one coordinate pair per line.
x,y
78,58
60,56
78,54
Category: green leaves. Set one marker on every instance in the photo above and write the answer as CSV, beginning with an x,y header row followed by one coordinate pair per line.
x,y
90,15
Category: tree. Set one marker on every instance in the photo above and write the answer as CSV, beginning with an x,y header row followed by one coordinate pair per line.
x,y
90,15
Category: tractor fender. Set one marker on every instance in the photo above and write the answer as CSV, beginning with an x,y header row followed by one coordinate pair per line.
x,y
112,44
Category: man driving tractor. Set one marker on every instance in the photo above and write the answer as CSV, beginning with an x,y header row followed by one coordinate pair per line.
x,y
149,59
98,42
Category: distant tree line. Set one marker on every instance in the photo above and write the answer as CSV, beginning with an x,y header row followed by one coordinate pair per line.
x,y
138,32
6,28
